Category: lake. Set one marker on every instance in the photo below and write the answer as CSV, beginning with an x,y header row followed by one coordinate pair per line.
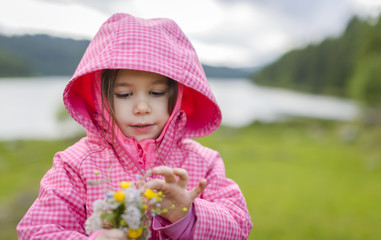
x,y
29,106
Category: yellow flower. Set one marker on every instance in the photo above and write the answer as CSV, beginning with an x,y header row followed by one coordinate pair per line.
x,y
134,233
119,196
150,194
123,223
125,184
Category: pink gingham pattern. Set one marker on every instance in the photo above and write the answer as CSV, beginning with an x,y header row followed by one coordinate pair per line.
x,y
153,45
65,199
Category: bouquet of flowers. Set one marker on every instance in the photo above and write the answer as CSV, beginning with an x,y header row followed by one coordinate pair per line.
x,y
127,209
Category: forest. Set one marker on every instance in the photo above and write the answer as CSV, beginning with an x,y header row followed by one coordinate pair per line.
x,y
36,55
44,55
346,66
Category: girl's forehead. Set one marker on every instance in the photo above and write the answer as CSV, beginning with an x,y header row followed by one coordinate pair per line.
x,y
133,77
131,82
139,74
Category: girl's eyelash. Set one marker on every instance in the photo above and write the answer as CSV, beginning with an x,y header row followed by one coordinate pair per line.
x,y
158,93
153,93
123,95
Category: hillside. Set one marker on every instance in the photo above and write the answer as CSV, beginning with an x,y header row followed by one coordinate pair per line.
x,y
347,66
227,72
35,55
39,55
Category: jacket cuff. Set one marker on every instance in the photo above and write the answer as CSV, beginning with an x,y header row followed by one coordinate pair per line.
x,y
181,229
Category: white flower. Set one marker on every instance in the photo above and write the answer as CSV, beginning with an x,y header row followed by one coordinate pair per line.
x,y
111,203
136,207
100,206
93,223
132,196
132,215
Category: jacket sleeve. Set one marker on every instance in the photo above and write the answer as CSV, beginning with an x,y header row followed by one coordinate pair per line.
x,y
182,229
59,211
221,211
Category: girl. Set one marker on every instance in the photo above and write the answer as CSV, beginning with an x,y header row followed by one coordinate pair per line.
x,y
141,93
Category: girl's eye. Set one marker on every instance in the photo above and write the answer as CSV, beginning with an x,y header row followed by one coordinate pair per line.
x,y
123,95
158,93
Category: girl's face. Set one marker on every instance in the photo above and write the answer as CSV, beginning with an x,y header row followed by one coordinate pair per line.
x,y
141,103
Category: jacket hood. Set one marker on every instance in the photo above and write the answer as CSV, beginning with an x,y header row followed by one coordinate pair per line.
x,y
152,45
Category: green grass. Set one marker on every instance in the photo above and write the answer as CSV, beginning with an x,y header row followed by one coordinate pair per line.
x,y
301,180
306,181
22,165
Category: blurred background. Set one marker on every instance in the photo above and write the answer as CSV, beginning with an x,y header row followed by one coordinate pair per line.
x,y
298,82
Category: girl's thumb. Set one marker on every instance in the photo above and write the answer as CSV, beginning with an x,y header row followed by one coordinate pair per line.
x,y
198,189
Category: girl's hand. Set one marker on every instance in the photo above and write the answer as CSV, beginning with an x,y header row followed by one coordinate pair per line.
x,y
175,191
113,234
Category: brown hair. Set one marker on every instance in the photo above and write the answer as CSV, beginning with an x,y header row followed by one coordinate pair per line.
x,y
108,79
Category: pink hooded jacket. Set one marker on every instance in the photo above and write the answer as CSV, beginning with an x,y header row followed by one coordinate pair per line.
x,y
156,45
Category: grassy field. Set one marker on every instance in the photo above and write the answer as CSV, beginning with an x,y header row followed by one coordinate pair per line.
x,y
301,180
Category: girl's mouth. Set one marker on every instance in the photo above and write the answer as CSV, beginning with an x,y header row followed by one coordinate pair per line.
x,y
141,125
142,128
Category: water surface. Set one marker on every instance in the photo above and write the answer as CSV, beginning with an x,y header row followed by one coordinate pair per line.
x,y
29,106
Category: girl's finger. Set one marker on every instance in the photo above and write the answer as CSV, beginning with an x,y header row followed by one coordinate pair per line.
x,y
140,184
155,184
166,172
183,177
115,234
198,189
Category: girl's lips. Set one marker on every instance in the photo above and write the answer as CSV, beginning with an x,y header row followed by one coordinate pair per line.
x,y
142,128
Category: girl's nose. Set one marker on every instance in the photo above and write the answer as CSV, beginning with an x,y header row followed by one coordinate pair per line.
x,y
142,107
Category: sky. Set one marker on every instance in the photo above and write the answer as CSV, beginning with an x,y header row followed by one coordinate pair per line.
x,y
233,33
